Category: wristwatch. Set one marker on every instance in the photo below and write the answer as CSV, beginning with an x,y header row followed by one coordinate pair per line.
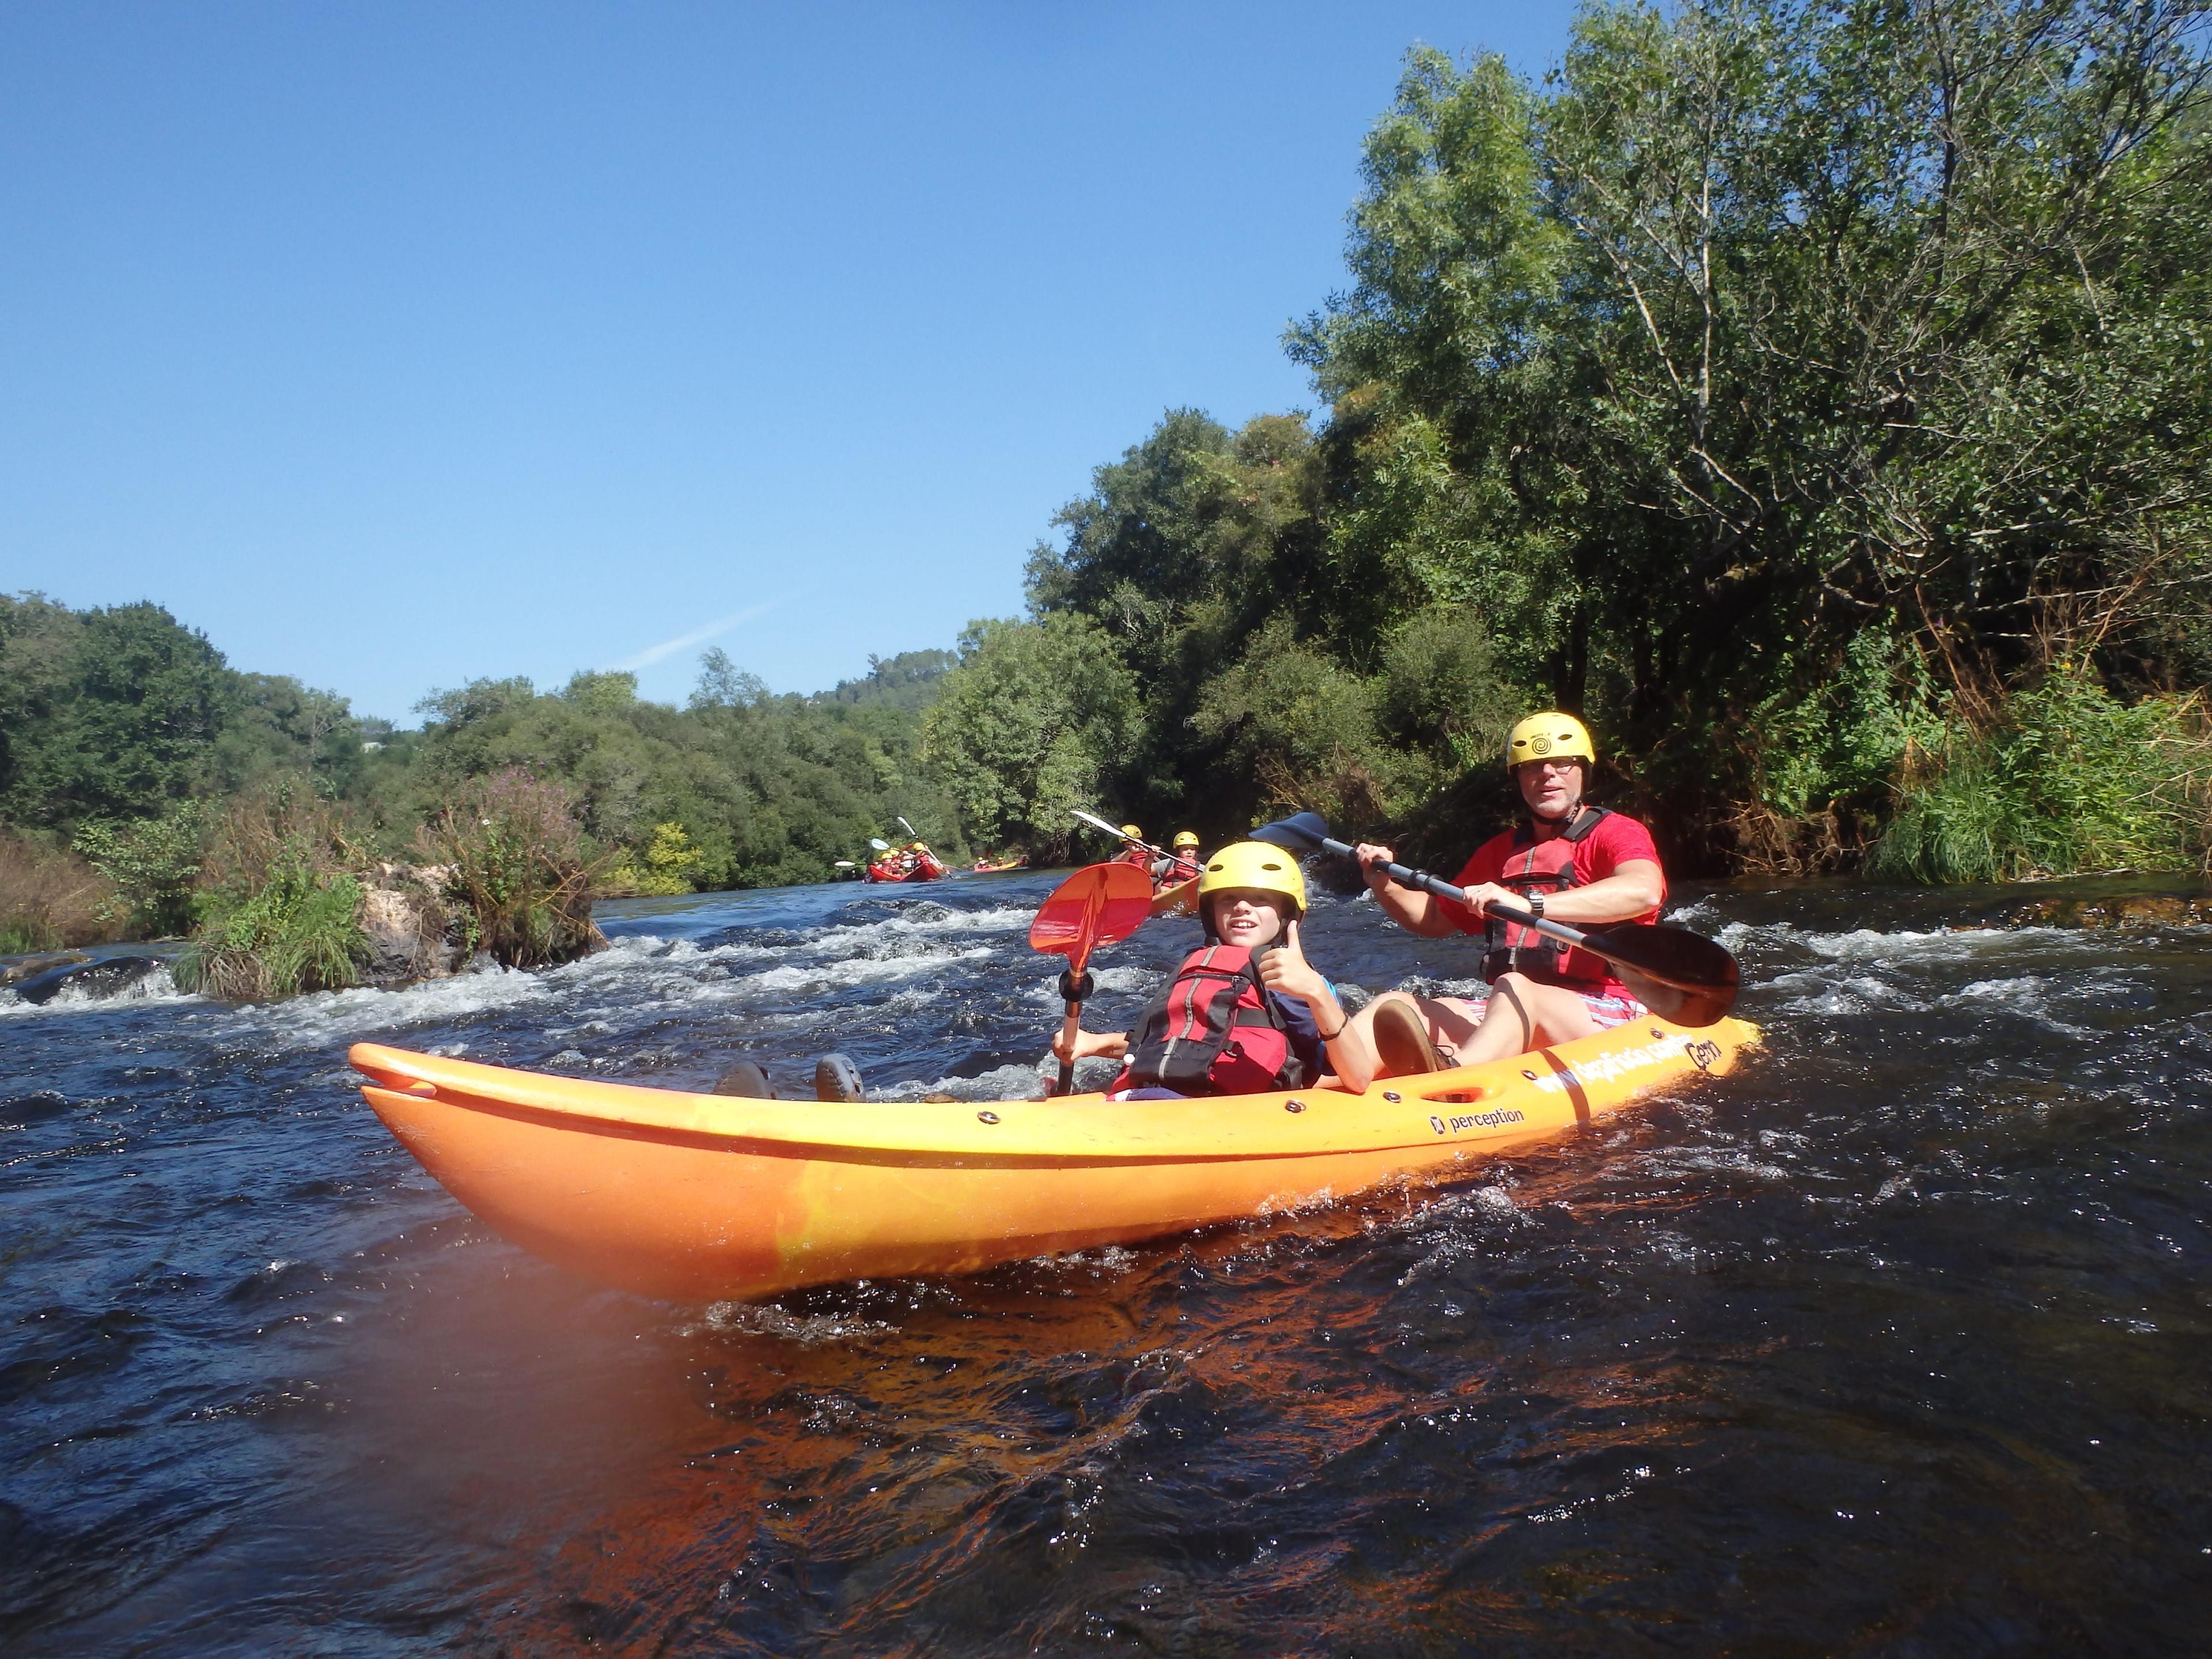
x,y
1536,906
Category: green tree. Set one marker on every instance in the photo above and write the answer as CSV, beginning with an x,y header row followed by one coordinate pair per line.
x,y
1034,722
113,712
1765,326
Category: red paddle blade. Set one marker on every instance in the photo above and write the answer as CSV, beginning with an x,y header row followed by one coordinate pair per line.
x,y
1095,906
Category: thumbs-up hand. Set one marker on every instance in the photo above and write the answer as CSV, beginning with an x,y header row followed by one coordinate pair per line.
x,y
1286,971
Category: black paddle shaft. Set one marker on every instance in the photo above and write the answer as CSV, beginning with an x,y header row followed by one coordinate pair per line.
x,y
1702,971
1421,880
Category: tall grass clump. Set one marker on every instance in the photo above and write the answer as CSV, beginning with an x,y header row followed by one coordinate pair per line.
x,y
512,849
280,904
49,898
2064,779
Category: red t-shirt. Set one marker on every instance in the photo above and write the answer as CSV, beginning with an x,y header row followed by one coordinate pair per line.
x,y
1618,840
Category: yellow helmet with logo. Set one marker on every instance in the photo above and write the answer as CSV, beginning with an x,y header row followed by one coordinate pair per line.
x,y
1255,863
1133,832
1550,736
1186,838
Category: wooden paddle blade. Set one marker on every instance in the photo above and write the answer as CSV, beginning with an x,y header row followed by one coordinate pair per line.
x,y
1301,832
1096,905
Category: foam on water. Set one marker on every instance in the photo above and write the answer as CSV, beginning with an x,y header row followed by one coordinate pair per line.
x,y
1915,1292
157,986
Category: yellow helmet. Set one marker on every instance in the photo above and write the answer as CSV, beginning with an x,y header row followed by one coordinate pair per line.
x,y
1255,863
1133,832
921,847
1550,736
1186,838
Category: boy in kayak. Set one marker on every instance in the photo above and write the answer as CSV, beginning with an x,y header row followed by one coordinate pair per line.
x,y
1180,865
1571,861
1246,1013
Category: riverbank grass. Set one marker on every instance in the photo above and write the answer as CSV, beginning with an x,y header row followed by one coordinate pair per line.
x,y
49,898
2064,779
279,903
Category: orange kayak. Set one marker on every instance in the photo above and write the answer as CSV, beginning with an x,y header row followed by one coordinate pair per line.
x,y
697,1198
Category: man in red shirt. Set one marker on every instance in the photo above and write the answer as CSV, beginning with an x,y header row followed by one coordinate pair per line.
x,y
1569,862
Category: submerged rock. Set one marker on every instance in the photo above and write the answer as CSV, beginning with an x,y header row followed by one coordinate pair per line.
x,y
15,973
2129,910
108,977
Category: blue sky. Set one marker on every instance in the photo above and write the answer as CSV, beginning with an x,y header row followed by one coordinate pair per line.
x,y
395,345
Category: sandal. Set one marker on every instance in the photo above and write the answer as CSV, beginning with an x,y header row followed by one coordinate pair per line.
x,y
1402,1045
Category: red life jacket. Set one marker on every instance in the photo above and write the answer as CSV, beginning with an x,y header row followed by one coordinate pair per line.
x,y
1537,869
1215,1030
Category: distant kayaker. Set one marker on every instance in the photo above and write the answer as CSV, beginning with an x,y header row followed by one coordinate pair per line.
x,y
1568,861
1180,865
1134,848
1246,1013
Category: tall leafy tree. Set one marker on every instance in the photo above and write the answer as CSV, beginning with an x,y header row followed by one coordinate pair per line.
x,y
1035,721
1765,328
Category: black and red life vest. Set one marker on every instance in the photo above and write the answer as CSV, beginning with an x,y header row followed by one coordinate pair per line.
x,y
1215,1030
1537,869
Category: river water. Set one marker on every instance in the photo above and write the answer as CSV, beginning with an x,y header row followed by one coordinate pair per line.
x,y
1893,1343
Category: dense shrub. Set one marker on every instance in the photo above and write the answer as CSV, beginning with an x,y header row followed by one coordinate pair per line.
x,y
279,902
670,866
301,932
512,851
2062,778
154,865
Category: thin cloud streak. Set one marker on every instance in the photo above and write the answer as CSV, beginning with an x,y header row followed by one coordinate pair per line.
x,y
654,653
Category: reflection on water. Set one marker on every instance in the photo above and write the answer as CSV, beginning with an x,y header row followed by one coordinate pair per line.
x,y
1893,1341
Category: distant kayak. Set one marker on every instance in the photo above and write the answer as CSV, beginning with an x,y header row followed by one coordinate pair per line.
x,y
994,866
926,866
699,1198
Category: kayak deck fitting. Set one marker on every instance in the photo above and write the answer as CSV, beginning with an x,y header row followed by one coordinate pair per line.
x,y
700,1198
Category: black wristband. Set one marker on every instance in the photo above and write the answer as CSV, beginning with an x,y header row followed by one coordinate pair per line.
x,y
1333,1036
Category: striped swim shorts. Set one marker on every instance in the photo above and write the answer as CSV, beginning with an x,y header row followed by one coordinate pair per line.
x,y
1609,1012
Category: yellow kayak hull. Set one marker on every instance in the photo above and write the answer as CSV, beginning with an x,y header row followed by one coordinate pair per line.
x,y
700,1198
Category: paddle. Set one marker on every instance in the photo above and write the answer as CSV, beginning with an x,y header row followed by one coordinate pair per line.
x,y
913,834
880,844
1114,831
1678,974
1176,894
1096,905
